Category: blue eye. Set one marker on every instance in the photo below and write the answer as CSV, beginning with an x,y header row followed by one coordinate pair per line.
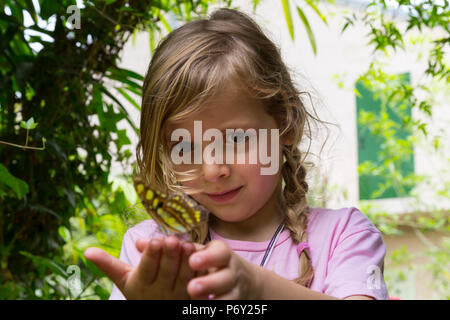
x,y
183,147
237,136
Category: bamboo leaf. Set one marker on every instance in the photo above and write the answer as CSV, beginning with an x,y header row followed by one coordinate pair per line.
x,y
131,74
151,34
129,98
309,31
314,7
165,23
288,16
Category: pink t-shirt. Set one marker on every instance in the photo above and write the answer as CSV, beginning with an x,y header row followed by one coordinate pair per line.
x,y
347,253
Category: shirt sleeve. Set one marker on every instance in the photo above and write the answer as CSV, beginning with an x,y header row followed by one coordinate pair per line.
x,y
356,266
128,254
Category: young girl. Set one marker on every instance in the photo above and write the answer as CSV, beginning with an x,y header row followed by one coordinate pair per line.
x,y
262,240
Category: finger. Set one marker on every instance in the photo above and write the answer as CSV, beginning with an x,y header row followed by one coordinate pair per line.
x,y
217,283
198,274
113,268
141,244
185,272
216,254
233,294
148,267
170,260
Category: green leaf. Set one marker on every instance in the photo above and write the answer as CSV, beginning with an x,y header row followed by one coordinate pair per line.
x,y
129,98
288,17
122,138
31,10
16,11
187,10
48,8
65,234
436,143
19,186
305,21
314,7
123,75
164,22
347,24
130,74
152,39
105,91
29,124
46,262
102,292
138,92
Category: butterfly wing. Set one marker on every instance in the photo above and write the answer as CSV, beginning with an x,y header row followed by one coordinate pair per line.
x,y
186,210
176,213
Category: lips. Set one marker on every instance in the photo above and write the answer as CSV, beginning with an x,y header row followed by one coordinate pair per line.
x,y
225,195
222,193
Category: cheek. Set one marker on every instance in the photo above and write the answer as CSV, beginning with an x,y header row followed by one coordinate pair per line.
x,y
260,185
193,184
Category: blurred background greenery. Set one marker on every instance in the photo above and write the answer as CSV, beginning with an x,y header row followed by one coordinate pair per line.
x,y
58,194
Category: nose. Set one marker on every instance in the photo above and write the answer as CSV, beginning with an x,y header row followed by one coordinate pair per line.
x,y
213,171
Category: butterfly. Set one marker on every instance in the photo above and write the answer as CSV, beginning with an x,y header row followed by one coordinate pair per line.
x,y
176,213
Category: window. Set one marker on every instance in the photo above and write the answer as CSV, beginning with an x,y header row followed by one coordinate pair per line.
x,y
385,155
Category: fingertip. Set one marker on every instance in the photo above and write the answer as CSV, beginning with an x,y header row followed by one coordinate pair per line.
x,y
141,244
156,244
172,243
195,288
171,240
188,248
90,252
196,261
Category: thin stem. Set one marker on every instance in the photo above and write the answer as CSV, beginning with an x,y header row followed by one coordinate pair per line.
x,y
26,141
25,146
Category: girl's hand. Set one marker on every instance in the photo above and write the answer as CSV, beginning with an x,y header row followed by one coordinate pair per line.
x,y
230,276
162,273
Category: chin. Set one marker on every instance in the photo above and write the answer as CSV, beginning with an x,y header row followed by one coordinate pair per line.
x,y
227,217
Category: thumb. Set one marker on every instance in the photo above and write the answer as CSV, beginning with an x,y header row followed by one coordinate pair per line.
x,y
112,267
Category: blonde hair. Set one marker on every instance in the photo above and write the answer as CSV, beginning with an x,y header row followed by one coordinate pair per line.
x,y
188,67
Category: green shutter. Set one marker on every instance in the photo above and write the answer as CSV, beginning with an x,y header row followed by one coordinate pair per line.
x,y
369,144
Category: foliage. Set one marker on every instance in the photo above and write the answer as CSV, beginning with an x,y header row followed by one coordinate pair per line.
x,y
440,266
402,269
60,81
312,4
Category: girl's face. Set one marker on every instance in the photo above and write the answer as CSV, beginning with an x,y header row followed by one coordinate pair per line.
x,y
253,192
